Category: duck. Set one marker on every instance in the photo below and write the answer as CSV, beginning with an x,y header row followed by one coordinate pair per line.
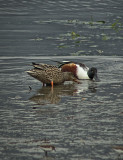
x,y
50,74
80,70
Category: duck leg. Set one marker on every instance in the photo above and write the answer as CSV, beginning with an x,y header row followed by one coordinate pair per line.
x,y
52,84
77,81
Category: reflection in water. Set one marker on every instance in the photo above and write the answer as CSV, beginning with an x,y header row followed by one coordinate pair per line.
x,y
48,96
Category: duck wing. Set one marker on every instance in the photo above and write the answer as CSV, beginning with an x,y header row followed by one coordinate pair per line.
x,y
61,63
42,66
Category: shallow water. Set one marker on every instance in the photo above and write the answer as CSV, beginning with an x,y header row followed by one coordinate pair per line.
x,y
82,121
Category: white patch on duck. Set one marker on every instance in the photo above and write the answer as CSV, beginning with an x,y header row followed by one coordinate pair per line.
x,y
82,73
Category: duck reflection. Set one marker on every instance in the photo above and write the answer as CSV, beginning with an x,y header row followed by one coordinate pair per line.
x,y
47,95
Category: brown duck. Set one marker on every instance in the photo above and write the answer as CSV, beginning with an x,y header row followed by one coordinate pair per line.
x,y
50,74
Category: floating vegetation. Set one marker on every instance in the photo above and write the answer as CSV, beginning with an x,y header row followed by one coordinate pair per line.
x,y
37,39
117,26
101,22
78,38
91,23
105,37
73,22
71,36
74,35
63,46
99,51
77,41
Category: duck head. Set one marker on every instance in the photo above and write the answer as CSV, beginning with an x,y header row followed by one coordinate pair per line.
x,y
92,74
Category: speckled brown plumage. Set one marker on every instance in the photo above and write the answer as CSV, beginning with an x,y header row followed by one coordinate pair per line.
x,y
49,74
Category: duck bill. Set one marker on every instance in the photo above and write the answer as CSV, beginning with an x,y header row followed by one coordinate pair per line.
x,y
96,78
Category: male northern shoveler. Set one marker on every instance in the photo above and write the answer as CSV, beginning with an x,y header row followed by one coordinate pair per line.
x,y
80,71
50,74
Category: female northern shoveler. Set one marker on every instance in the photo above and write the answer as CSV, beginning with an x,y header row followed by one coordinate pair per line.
x,y
49,74
80,71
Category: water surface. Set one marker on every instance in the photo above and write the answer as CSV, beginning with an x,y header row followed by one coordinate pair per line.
x,y
61,28
82,121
